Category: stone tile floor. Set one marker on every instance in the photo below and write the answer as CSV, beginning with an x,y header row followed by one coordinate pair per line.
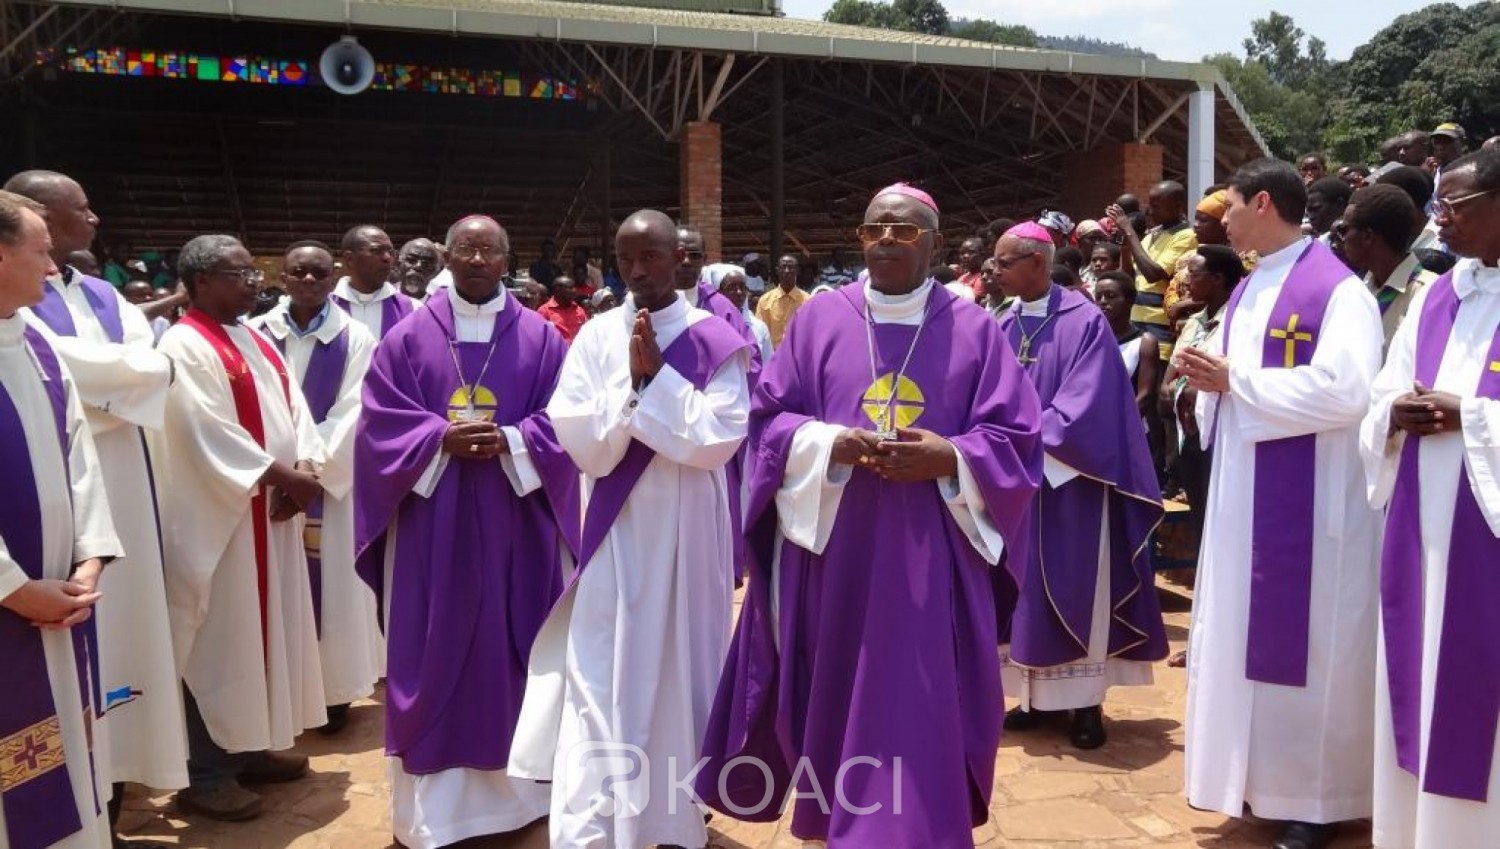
x,y
1127,794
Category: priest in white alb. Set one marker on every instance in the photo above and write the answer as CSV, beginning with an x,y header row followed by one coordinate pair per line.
x,y
55,535
1281,668
1432,452
329,353
367,294
652,404
240,448
108,347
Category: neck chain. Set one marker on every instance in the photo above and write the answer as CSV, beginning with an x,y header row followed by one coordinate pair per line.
x,y
1024,354
886,422
470,413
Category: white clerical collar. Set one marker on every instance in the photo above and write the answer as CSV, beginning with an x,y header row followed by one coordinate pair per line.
x,y
345,289
12,329
1285,256
1470,276
490,307
1038,307
898,309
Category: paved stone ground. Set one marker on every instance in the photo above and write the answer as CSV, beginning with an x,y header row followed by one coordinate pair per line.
x,y
1127,794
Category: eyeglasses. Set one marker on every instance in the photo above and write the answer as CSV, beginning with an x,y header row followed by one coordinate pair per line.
x,y
695,256
316,273
1448,207
244,275
464,253
906,234
377,250
1007,262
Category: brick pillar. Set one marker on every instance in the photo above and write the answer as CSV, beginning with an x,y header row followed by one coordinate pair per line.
x,y
700,152
1092,179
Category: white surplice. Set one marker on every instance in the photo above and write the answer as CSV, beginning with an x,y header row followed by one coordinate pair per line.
x,y
350,646
123,388
436,809
631,655
1291,753
1405,817
369,310
1084,682
252,698
76,526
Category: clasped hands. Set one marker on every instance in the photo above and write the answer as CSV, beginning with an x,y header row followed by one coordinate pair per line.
x,y
915,455
1424,412
645,355
475,440
54,605
293,488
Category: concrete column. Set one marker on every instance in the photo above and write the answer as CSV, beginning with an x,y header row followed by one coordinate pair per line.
x,y
1200,155
700,153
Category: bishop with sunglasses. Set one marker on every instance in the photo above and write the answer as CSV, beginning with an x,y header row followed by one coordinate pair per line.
x,y
896,452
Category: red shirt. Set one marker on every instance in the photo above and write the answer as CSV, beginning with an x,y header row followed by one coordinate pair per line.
x,y
567,319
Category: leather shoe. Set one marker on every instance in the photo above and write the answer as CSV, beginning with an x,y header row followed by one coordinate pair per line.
x,y
226,801
338,717
273,768
1020,719
1087,731
122,843
1306,835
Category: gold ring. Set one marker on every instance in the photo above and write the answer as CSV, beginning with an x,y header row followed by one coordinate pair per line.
x,y
864,459
474,448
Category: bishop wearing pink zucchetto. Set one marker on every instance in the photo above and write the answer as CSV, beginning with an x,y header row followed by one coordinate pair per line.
x,y
897,449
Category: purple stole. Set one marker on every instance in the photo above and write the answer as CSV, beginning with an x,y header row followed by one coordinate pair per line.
x,y
53,310
697,354
1466,703
1281,531
392,310
35,792
320,388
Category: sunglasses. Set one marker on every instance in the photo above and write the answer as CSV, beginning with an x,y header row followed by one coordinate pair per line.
x,y
906,234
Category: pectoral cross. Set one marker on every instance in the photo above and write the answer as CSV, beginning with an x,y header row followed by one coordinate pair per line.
x,y
1292,336
1024,356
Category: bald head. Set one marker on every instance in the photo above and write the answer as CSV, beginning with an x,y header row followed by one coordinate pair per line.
x,y
477,225
1167,203
651,224
70,222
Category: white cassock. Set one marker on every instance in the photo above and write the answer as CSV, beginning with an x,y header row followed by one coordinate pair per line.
x,y
1086,681
1291,753
631,655
123,388
75,528
350,646
252,699
369,310
437,809
1406,817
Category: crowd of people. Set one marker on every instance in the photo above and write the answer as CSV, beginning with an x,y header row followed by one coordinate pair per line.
x,y
526,502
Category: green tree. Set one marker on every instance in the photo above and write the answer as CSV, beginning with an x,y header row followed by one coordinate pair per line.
x,y
927,16
1291,121
982,30
863,13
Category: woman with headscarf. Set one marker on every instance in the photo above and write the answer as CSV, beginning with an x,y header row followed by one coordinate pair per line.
x,y
732,282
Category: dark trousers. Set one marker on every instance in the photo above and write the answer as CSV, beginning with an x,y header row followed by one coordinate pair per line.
x,y
1193,468
208,763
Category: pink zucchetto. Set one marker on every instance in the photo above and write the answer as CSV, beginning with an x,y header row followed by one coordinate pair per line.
x,y
912,192
1030,230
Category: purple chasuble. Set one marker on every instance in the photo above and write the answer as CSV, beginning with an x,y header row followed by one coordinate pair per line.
x,y
53,310
392,310
885,644
1466,701
320,388
1281,530
1090,421
697,354
717,303
476,568
38,798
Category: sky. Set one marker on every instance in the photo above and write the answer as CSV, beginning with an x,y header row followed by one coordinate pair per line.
x,y
1183,30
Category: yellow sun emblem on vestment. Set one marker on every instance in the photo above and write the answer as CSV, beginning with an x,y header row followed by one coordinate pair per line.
x,y
481,408
905,410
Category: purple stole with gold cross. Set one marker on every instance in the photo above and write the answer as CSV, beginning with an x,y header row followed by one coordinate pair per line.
x,y
35,791
1466,701
320,388
1281,530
